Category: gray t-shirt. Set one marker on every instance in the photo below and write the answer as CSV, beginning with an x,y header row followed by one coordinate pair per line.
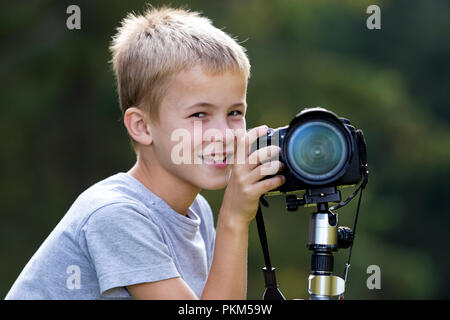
x,y
118,233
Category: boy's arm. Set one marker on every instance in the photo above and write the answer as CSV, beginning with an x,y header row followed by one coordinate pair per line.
x,y
169,289
228,274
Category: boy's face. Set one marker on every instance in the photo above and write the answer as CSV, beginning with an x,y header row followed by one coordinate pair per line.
x,y
199,115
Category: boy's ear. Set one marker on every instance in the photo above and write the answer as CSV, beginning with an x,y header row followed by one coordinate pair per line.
x,y
137,126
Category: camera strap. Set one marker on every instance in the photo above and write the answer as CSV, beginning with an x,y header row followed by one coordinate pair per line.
x,y
272,292
364,168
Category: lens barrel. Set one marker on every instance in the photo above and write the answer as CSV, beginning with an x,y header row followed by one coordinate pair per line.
x,y
317,150
317,147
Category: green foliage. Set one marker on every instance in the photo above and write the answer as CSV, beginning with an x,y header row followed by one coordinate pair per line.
x,y
61,126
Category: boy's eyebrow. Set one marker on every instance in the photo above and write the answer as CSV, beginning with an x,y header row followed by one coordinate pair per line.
x,y
207,104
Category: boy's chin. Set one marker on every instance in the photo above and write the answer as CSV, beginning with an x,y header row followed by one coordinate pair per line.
x,y
213,186
213,183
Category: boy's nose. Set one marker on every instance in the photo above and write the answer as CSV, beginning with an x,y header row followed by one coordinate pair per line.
x,y
224,135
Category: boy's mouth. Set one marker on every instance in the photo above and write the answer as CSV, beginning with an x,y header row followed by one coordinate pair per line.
x,y
215,158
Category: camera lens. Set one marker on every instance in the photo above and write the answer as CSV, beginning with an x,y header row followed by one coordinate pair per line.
x,y
317,151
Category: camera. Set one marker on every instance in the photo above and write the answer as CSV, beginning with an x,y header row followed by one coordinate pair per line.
x,y
319,150
322,152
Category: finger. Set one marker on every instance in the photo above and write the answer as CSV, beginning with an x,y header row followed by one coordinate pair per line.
x,y
266,169
259,156
248,139
267,185
254,134
239,134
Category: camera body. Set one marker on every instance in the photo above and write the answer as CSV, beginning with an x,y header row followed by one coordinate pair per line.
x,y
325,135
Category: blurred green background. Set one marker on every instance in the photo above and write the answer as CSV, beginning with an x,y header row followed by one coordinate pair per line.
x,y
61,129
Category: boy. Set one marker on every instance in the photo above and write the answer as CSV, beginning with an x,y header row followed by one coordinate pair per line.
x,y
148,233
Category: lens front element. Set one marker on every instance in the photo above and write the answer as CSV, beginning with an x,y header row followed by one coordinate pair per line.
x,y
317,151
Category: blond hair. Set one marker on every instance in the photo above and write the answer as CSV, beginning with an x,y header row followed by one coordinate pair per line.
x,y
148,48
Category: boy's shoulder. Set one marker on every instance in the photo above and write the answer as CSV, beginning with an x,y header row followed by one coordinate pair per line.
x,y
118,188
121,190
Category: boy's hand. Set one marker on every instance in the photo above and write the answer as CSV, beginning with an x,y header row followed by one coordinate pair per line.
x,y
241,198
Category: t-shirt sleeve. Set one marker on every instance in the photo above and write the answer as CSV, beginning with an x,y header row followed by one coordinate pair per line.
x,y
126,247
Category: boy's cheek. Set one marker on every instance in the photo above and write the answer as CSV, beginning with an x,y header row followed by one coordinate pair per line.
x,y
199,139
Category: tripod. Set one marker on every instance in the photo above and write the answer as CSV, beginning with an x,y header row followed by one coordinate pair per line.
x,y
325,237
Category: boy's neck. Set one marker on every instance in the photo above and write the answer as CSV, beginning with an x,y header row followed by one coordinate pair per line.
x,y
163,184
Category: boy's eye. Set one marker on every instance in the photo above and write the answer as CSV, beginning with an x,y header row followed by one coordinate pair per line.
x,y
235,113
198,115
203,114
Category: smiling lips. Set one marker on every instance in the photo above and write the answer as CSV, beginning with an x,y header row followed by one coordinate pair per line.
x,y
215,157
216,160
